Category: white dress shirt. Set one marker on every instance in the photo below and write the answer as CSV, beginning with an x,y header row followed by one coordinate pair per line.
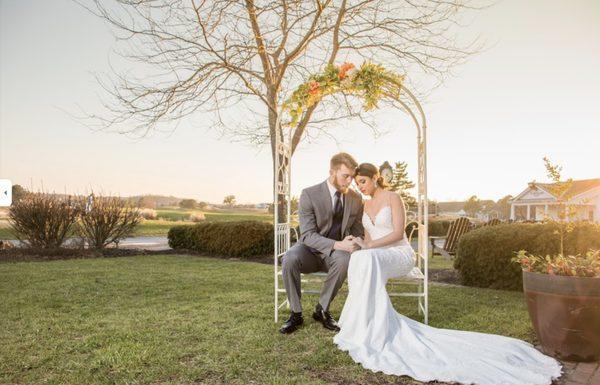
x,y
332,191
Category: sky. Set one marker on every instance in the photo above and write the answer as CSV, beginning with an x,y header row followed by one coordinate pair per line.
x,y
533,92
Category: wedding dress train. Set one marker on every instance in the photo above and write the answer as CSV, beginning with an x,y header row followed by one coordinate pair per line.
x,y
380,339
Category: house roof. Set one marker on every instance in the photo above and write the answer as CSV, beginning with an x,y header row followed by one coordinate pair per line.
x,y
454,207
578,187
450,206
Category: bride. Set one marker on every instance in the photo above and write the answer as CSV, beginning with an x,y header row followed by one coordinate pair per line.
x,y
380,339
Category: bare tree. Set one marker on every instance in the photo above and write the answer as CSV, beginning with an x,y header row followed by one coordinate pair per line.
x,y
216,56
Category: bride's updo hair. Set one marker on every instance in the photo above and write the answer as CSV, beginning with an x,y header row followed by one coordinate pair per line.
x,y
370,170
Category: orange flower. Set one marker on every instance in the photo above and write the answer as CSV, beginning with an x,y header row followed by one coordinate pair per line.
x,y
314,87
344,68
550,269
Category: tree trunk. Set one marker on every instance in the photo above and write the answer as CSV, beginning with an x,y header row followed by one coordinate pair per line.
x,y
279,176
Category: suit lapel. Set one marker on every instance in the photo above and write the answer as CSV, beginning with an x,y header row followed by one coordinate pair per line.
x,y
326,203
347,210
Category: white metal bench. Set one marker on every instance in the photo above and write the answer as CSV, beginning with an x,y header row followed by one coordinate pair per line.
x,y
418,276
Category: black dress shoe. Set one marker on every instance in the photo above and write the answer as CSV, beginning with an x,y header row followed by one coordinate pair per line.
x,y
325,318
292,324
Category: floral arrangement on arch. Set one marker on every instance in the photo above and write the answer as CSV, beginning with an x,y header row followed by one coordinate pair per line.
x,y
370,81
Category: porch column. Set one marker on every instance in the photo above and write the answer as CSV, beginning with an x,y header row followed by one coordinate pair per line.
x,y
528,212
512,212
545,211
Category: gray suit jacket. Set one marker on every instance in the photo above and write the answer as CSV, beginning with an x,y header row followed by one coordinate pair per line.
x,y
316,215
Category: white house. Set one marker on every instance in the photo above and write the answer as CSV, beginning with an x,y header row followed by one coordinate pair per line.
x,y
451,209
538,201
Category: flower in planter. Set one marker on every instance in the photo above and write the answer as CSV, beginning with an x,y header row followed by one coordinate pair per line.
x,y
587,265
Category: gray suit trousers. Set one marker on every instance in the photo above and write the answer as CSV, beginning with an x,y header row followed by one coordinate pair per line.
x,y
303,259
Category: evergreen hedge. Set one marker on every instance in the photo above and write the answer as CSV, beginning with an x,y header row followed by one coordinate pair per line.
x,y
483,256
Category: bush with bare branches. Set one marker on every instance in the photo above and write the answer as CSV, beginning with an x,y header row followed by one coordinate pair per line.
x,y
106,220
43,220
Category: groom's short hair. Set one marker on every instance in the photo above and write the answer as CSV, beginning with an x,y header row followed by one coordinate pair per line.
x,y
342,158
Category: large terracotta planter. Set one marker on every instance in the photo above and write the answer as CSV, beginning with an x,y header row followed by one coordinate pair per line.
x,y
565,312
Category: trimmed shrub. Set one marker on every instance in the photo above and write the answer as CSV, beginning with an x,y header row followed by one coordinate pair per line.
x,y
177,237
437,227
242,239
483,257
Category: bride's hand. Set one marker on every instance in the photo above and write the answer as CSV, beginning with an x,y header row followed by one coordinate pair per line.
x,y
360,242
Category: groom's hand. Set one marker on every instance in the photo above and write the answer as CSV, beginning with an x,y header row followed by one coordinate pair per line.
x,y
347,244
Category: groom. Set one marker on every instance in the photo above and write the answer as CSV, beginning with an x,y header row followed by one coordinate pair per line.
x,y
330,217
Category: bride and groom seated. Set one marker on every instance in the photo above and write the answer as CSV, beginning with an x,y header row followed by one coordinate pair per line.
x,y
366,243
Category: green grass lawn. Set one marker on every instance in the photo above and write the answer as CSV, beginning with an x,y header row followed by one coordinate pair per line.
x,y
175,217
5,233
173,214
172,319
156,228
222,217
439,262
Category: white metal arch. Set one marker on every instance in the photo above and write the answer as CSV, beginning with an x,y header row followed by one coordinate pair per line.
x,y
283,226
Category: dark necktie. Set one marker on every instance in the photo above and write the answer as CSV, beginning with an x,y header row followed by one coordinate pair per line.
x,y
338,214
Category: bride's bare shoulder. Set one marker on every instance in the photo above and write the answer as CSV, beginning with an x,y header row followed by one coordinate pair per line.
x,y
391,194
393,198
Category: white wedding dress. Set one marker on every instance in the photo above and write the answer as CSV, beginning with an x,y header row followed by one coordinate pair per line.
x,y
380,339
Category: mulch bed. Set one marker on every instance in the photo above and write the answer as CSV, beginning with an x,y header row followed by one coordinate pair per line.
x,y
24,254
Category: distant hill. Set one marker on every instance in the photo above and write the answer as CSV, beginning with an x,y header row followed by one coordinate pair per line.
x,y
161,200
